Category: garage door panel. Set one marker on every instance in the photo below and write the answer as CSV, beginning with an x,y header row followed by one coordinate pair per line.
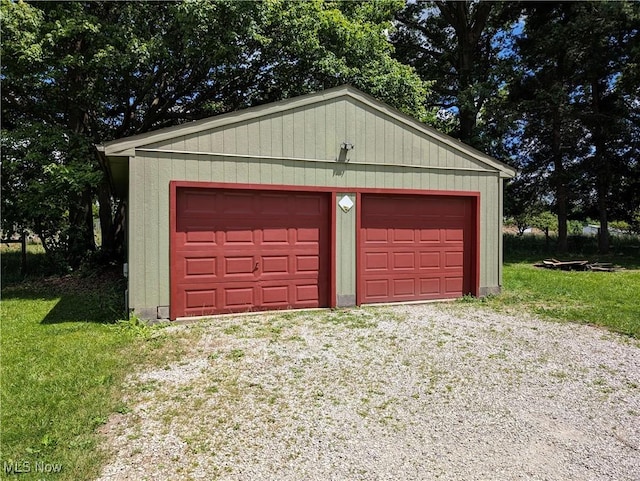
x,y
403,235
404,261
275,235
275,295
234,266
275,255
430,286
307,235
200,299
239,297
376,261
454,259
376,289
307,264
198,202
430,260
199,266
414,247
373,234
453,285
404,287
275,264
238,204
428,235
200,237
273,205
454,235
306,293
309,206
239,236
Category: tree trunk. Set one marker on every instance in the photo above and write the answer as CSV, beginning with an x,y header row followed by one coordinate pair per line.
x,y
561,208
603,234
105,211
468,22
81,237
81,233
603,169
560,180
466,106
467,123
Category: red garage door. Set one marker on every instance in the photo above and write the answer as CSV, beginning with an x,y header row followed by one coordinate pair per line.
x,y
415,248
242,250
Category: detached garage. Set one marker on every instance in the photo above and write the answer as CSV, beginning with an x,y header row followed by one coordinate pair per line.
x,y
331,199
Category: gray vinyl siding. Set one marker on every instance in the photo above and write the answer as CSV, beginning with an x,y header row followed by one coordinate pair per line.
x,y
151,173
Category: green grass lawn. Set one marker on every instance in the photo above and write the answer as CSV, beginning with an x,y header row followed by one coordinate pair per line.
x,y
607,299
62,361
63,356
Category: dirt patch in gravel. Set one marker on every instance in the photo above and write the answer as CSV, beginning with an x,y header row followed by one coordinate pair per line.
x,y
410,392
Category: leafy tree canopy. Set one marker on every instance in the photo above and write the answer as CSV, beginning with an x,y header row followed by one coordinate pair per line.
x,y
78,73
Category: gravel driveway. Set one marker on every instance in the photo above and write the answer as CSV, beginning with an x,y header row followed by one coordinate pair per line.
x,y
434,391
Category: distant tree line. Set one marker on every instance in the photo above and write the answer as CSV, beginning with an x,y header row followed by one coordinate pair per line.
x,y
551,88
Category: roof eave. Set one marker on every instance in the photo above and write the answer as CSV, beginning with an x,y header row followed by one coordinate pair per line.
x,y
127,145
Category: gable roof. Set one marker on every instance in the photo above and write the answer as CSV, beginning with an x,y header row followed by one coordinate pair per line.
x,y
127,146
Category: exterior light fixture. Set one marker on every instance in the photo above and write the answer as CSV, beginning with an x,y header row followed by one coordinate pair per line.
x,y
345,147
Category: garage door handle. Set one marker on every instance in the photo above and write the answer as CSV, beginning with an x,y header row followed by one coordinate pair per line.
x,y
256,267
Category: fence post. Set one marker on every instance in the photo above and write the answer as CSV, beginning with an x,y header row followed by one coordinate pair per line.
x,y
23,263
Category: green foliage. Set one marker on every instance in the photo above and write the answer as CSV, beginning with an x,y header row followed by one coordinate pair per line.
x,y
555,89
621,226
309,46
625,250
39,265
79,73
43,167
635,222
546,222
20,24
456,47
574,227
576,113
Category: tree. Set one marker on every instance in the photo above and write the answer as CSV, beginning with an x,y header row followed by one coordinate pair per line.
x,y
79,73
45,186
523,201
546,222
456,45
542,94
304,47
606,34
40,164
576,125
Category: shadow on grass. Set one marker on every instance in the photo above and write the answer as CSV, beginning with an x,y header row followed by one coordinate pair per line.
x,y
531,249
78,308
98,299
38,265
